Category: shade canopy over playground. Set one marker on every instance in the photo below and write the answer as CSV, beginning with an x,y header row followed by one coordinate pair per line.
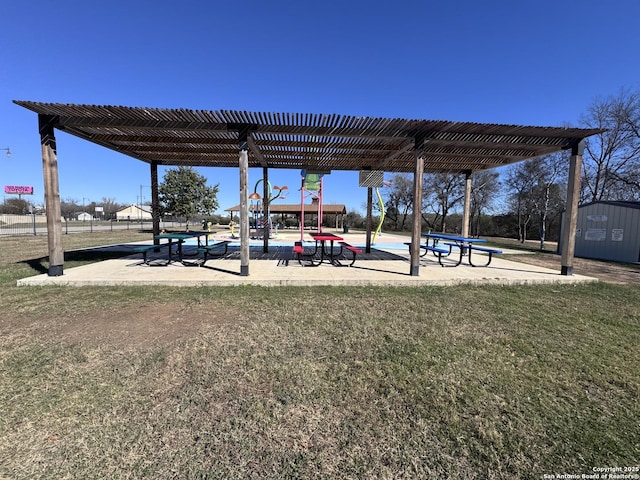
x,y
315,142
296,208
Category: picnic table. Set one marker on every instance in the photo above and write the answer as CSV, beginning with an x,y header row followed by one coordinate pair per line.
x,y
328,254
442,245
179,238
321,244
322,238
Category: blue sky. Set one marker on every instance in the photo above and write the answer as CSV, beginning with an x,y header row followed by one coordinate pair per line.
x,y
494,61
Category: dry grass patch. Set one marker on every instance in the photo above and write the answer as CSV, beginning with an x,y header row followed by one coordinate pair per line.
x,y
247,382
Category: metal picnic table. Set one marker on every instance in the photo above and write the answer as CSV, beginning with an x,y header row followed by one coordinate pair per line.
x,y
464,245
179,238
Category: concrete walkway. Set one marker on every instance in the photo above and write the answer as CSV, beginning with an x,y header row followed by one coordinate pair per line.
x,y
388,264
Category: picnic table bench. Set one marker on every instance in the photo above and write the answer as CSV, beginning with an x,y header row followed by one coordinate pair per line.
x,y
437,250
354,251
213,250
145,249
466,246
298,249
489,250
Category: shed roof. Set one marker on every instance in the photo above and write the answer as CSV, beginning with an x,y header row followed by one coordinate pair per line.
x,y
615,203
325,142
133,206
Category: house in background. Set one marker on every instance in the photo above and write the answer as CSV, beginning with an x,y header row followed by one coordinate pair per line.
x,y
84,217
134,213
608,231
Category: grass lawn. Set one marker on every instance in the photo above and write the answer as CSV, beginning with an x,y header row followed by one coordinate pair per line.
x,y
335,382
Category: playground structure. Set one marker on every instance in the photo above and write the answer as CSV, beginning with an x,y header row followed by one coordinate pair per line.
x,y
382,211
374,179
311,186
257,201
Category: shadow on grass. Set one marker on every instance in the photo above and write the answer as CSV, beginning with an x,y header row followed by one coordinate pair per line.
x,y
78,257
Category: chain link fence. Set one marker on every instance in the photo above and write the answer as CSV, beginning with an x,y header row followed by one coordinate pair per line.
x,y
34,224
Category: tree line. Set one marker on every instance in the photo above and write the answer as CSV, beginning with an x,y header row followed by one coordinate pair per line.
x,y
69,207
527,198
183,193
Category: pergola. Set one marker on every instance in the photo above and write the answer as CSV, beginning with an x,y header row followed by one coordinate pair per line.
x,y
314,142
339,210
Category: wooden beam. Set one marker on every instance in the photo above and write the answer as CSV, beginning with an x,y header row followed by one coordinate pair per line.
x,y
46,124
570,219
369,218
405,147
416,231
265,210
155,204
244,206
81,122
256,152
153,139
466,211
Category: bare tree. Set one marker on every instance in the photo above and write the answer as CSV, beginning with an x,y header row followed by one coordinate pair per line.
x,y
110,207
399,200
537,191
547,194
485,186
612,158
69,207
442,192
519,180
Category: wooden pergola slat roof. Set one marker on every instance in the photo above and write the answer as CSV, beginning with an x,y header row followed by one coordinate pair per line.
x,y
204,138
319,142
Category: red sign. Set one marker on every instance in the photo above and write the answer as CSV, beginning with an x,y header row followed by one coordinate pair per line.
x,y
18,190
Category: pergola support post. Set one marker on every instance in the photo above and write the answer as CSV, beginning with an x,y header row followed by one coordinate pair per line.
x,y
155,210
266,227
302,209
244,204
571,213
416,231
46,125
369,218
466,211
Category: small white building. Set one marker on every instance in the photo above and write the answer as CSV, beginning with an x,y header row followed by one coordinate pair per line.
x,y
608,231
135,213
84,217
